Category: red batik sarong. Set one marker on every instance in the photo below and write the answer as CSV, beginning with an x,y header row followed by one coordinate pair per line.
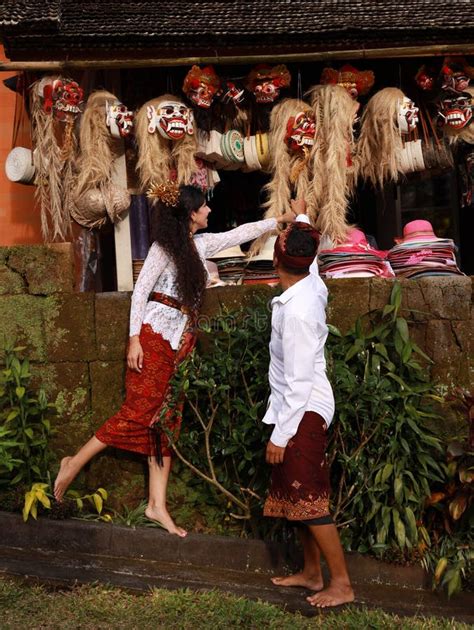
x,y
129,428
300,486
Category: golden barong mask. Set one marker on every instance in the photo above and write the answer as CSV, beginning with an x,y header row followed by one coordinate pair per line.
x,y
407,115
119,119
201,86
172,119
455,110
301,132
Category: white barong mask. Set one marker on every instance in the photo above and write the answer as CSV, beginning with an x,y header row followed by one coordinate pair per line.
x,y
119,119
172,119
407,116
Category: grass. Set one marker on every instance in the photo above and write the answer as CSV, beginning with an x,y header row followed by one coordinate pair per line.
x,y
95,607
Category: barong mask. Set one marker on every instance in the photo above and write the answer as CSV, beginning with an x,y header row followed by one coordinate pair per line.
x,y
67,98
172,119
407,116
201,86
301,132
456,111
425,79
233,93
355,82
61,96
266,82
456,74
119,119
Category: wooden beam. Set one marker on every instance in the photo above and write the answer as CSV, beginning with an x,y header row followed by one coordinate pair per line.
x,y
361,53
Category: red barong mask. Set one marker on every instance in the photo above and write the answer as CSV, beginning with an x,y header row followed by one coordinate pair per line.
x,y
355,82
455,110
266,82
300,132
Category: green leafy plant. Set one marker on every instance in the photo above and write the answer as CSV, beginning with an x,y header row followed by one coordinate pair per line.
x,y
25,426
40,494
384,453
448,515
225,390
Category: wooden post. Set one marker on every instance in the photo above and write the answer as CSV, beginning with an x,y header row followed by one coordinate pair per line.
x,y
123,243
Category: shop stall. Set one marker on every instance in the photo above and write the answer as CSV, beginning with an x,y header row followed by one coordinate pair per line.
x,y
378,140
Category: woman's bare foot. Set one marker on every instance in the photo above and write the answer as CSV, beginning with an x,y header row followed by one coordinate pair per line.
x,y
162,517
314,582
333,595
65,476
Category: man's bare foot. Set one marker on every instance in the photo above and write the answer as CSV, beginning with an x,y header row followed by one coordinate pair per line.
x,y
333,595
314,583
65,476
162,517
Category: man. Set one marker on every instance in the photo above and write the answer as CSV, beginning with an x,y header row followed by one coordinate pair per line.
x,y
301,407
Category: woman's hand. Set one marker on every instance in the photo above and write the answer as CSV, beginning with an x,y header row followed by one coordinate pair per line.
x,y
135,354
298,206
287,217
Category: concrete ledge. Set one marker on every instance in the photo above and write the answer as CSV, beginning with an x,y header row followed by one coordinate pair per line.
x,y
199,550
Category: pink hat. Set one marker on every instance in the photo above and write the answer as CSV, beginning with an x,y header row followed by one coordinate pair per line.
x,y
418,230
355,243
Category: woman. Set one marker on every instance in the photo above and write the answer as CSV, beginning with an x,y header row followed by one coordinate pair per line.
x,y
164,310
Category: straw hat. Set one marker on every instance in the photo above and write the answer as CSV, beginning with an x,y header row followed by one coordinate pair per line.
x,y
231,252
267,251
19,166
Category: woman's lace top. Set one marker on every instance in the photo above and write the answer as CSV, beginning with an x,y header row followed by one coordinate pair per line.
x,y
159,275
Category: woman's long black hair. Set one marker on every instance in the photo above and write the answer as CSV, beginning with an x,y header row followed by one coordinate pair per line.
x,y
170,229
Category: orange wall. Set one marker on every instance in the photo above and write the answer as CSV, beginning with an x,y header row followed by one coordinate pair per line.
x,y
19,218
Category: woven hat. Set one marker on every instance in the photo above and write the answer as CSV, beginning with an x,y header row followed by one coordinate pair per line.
x,y
232,145
93,207
250,154
19,166
267,250
230,252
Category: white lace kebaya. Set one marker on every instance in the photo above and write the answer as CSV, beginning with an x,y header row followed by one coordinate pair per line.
x,y
159,275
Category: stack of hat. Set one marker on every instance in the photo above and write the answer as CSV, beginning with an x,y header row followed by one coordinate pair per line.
x,y
354,258
230,265
259,269
421,253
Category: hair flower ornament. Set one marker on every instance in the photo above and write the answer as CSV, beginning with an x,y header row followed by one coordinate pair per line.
x,y
167,193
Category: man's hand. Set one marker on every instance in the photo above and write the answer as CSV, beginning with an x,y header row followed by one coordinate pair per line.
x,y
135,354
275,454
298,206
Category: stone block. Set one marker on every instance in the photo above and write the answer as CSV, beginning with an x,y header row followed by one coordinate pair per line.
x,y
380,290
447,298
112,315
107,389
348,300
11,282
22,318
442,347
70,332
67,386
122,474
46,269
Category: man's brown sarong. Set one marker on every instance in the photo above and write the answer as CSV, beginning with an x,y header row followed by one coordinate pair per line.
x,y
300,486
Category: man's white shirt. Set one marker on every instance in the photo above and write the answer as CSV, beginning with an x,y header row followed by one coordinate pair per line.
x,y
297,372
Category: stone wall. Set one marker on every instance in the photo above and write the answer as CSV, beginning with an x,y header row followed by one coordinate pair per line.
x,y
76,341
